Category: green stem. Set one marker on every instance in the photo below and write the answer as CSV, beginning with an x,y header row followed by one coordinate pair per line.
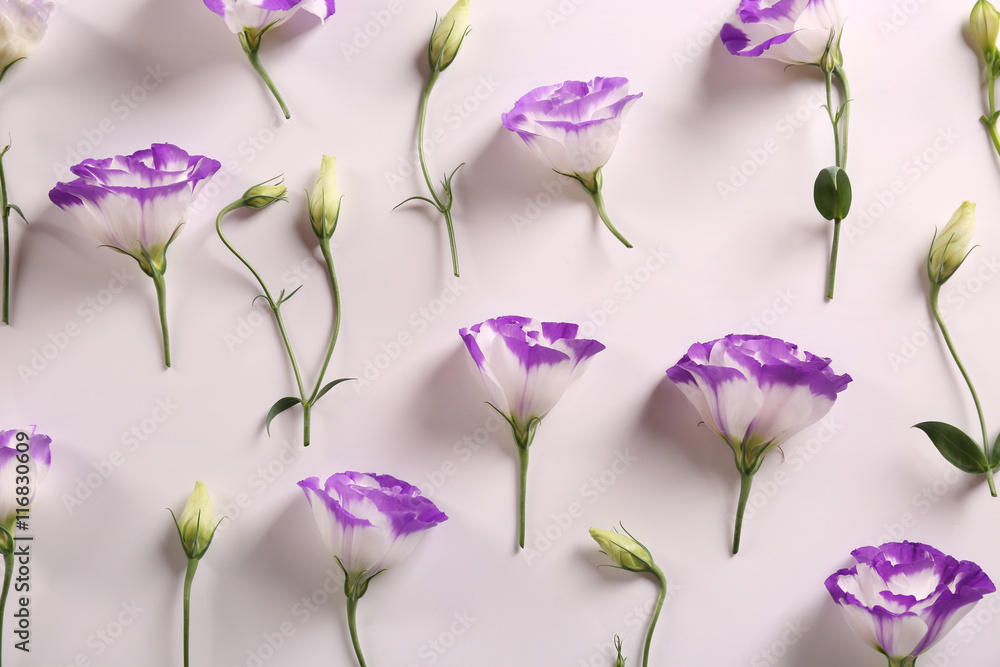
x,y
188,578
934,293
602,211
990,120
257,65
275,306
8,573
324,244
5,214
523,456
161,301
352,624
745,481
656,613
831,275
840,132
443,208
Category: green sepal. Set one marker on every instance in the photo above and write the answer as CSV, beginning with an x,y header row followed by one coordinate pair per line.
x,y
995,454
832,193
279,407
328,386
956,446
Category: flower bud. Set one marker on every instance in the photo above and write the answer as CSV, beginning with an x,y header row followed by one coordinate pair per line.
x,y
263,195
624,550
324,202
950,248
448,36
985,24
620,661
196,524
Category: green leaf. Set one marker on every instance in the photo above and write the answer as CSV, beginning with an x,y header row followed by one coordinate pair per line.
x,y
958,448
995,454
328,387
279,407
832,193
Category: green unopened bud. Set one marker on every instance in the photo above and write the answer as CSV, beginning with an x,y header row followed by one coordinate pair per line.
x,y
324,202
263,195
950,248
626,552
448,36
985,24
196,524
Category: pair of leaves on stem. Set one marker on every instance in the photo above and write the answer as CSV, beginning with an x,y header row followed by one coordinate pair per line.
x,y
283,404
959,449
832,193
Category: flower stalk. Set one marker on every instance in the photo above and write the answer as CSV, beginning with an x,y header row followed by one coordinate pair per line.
x,y
840,120
324,231
935,290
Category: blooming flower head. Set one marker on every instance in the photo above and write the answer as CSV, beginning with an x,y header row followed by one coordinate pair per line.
x,y
23,454
950,248
196,524
796,32
527,365
756,391
136,203
240,15
573,126
368,522
901,598
22,26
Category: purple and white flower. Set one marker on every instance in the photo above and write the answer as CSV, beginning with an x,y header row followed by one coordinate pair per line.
x,y
901,598
368,522
240,15
251,19
23,454
136,204
796,32
755,392
526,366
573,128
22,26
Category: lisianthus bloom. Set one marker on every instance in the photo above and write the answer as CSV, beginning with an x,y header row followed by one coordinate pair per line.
x,y
901,598
796,32
755,392
573,128
260,15
136,204
22,26
369,523
526,366
250,19
24,462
